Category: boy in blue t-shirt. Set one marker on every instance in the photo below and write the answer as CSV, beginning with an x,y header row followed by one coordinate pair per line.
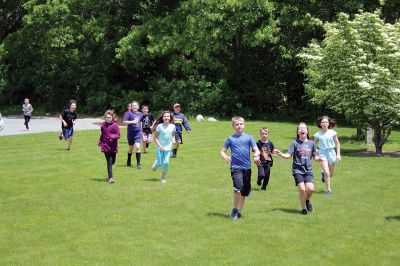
x,y
240,144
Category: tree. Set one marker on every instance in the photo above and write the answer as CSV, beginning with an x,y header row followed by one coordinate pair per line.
x,y
356,72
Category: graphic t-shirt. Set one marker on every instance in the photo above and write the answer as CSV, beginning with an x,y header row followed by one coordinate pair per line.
x,y
302,156
134,130
147,121
69,117
266,149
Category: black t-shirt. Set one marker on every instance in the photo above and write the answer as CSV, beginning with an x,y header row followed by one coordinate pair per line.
x,y
266,152
69,118
147,121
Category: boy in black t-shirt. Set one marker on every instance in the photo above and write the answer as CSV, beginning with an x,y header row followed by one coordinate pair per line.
x,y
68,118
266,148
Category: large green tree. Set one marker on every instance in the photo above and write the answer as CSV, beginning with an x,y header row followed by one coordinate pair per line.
x,y
356,72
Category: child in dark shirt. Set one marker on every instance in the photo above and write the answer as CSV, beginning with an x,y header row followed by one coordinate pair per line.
x,y
266,148
148,123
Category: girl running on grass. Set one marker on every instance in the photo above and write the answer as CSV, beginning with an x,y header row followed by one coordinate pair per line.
x,y
303,150
164,138
133,120
148,123
328,149
108,141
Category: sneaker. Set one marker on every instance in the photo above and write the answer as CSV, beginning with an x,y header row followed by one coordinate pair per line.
x,y
263,188
173,156
323,177
111,180
309,206
259,181
138,166
60,137
304,212
163,180
234,214
328,193
128,162
154,166
239,215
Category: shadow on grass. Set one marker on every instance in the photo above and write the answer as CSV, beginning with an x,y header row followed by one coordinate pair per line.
x,y
218,214
393,218
152,179
320,192
99,179
293,211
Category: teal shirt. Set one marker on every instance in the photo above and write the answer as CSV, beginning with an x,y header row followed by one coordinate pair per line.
x,y
325,139
165,135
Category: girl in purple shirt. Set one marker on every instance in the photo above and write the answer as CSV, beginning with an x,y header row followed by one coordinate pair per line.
x,y
108,141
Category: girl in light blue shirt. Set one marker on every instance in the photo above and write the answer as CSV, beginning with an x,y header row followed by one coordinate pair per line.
x,y
328,149
164,138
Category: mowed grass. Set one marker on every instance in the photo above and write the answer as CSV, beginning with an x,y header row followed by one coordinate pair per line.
x,y
57,209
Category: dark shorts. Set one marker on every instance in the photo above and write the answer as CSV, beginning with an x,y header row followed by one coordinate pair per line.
x,y
68,133
136,139
241,179
306,178
178,137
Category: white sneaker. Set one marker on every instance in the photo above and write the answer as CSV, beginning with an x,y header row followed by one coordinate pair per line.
x,y
163,180
154,166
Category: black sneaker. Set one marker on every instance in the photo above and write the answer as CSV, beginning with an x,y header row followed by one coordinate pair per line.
x,y
309,206
259,181
239,215
323,177
263,188
234,214
138,166
304,212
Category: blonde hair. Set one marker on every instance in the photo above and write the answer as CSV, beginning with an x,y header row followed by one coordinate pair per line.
x,y
237,118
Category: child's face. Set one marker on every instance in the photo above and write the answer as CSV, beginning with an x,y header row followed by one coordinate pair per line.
x,y
177,109
238,126
26,101
145,110
324,123
73,107
109,118
166,117
135,107
302,130
264,134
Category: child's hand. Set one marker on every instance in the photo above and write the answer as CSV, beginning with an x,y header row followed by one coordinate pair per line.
x,y
64,123
257,160
276,152
227,159
317,158
338,158
162,148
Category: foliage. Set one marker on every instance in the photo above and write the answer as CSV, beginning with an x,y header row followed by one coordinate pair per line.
x,y
356,72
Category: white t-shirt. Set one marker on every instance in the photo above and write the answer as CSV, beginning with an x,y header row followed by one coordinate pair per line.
x,y
325,139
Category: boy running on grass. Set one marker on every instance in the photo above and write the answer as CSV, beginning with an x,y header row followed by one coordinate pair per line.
x,y
240,144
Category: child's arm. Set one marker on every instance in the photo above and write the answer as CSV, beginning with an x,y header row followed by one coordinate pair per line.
x,y
224,155
157,141
31,109
116,134
62,121
186,124
256,155
337,143
283,155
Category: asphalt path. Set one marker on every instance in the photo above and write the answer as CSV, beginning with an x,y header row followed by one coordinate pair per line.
x,y
14,125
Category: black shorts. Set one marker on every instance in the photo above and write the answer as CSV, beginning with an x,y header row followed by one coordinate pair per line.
x,y
178,137
306,178
241,179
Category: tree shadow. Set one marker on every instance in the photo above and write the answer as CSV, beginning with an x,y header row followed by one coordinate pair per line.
x,y
218,214
152,179
99,179
393,218
293,211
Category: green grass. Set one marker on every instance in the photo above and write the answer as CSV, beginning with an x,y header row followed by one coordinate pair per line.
x,y
56,209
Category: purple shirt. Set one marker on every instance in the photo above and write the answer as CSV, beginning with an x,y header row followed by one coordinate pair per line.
x,y
108,141
134,130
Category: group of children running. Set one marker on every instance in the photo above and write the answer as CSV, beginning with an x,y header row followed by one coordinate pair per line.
x,y
168,127
325,148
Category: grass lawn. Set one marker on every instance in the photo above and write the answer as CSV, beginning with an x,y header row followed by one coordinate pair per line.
x,y
57,209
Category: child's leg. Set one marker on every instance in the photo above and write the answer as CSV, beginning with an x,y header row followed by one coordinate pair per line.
x,y
137,148
327,174
144,140
267,171
240,202
260,176
302,194
167,155
109,160
309,190
69,143
130,151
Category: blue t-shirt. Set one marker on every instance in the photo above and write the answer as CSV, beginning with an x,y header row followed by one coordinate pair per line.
x,y
325,139
179,120
240,146
165,135
134,130
302,156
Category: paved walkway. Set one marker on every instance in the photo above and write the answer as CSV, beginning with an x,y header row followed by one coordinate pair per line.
x,y
14,125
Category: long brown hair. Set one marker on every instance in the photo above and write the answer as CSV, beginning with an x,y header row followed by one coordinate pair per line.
x,y
332,122
160,118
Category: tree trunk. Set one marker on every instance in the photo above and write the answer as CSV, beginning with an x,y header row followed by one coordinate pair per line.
x,y
379,140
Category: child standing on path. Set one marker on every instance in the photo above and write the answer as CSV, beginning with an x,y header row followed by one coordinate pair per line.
x,y
303,150
327,142
179,119
240,144
266,148
134,133
164,137
68,118
148,122
108,141
27,109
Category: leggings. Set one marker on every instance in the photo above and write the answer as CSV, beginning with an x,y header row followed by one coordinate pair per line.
x,y
163,159
110,158
27,118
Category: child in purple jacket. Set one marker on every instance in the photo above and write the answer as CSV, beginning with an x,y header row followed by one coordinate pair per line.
x,y
108,141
